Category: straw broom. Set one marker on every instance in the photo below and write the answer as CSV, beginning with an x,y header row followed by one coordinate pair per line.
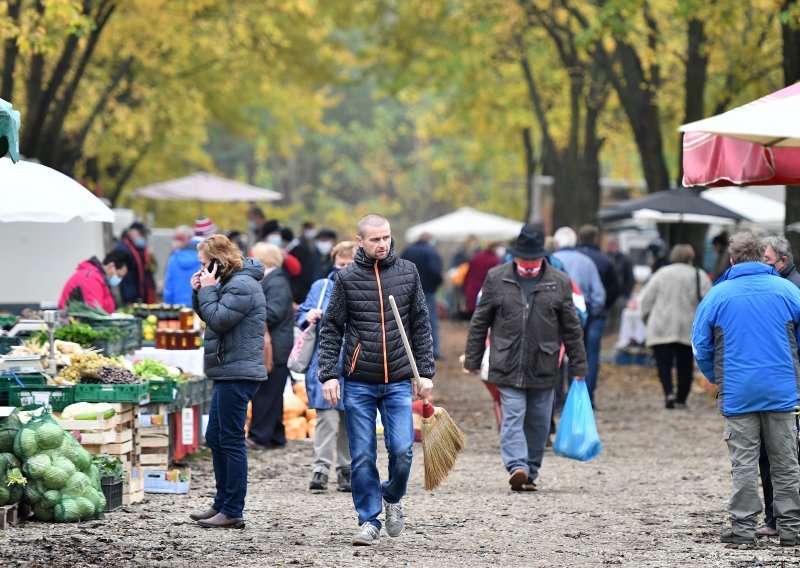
x,y
442,439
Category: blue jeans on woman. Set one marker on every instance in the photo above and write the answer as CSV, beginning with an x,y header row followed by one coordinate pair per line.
x,y
225,438
361,402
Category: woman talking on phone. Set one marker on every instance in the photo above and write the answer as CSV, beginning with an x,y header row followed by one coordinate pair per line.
x,y
227,296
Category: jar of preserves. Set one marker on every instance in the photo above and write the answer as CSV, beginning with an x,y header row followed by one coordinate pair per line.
x,y
187,318
161,339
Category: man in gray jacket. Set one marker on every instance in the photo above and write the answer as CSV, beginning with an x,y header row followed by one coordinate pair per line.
x,y
527,305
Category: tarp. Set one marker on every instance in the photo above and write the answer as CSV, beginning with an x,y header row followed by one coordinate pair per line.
x,y
459,225
31,192
206,187
757,208
670,206
9,131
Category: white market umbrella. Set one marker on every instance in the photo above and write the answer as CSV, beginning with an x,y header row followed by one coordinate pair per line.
x,y
692,218
464,223
759,209
31,192
208,188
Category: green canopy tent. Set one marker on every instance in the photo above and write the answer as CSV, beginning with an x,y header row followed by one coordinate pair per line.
x,y
9,131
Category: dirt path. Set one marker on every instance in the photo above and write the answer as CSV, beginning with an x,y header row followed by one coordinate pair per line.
x,y
655,497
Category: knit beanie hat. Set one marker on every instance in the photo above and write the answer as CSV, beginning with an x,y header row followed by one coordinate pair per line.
x,y
204,228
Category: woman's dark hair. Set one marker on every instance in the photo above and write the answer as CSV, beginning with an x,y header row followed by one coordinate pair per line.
x,y
119,259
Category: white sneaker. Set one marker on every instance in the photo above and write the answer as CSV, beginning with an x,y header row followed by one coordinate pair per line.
x,y
367,535
394,518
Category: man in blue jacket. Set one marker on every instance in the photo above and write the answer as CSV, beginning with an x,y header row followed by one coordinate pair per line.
x,y
745,337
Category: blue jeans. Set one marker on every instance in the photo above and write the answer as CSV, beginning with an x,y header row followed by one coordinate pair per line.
x,y
225,438
525,427
361,402
592,337
433,317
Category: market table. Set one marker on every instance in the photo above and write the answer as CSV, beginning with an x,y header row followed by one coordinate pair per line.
x,y
189,360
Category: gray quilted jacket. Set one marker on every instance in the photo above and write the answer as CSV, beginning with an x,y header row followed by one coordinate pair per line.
x,y
235,313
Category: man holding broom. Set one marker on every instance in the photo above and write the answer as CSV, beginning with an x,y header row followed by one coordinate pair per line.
x,y
528,306
377,370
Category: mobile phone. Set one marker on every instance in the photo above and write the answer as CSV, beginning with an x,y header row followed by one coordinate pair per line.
x,y
213,264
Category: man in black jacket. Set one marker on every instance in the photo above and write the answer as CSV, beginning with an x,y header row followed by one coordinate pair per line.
x,y
429,266
528,306
376,369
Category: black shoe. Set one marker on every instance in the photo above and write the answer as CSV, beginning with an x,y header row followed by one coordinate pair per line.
x,y
730,537
669,402
319,482
343,482
791,542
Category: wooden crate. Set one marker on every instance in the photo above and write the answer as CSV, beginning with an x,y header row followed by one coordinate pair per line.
x,y
133,497
8,515
113,449
104,437
135,479
154,441
154,456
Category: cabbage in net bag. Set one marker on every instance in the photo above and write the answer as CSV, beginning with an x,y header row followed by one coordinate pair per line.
x,y
63,484
11,480
8,431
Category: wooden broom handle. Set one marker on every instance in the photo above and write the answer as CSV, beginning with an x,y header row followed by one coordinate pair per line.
x,y
405,341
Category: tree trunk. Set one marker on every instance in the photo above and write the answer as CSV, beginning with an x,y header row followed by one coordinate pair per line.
x,y
533,209
694,84
10,52
791,74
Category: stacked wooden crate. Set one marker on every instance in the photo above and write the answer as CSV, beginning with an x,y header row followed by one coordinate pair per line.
x,y
154,437
116,437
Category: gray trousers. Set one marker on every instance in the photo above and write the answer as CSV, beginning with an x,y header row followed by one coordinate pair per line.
x,y
329,436
745,434
525,427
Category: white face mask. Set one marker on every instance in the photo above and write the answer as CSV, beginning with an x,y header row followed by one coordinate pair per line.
x,y
275,240
500,252
324,247
310,234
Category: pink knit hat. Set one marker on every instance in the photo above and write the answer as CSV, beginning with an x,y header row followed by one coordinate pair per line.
x,y
204,228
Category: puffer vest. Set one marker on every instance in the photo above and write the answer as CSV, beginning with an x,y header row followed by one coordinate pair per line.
x,y
373,351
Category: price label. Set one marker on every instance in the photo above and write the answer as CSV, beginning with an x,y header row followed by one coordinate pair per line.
x,y
187,426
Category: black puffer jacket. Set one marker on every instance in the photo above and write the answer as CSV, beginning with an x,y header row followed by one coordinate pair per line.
x,y
359,310
280,315
525,343
235,314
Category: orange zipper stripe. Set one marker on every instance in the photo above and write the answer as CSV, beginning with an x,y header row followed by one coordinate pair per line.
x,y
383,325
355,358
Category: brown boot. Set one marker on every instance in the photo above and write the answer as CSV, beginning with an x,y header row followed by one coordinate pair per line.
x,y
211,512
222,521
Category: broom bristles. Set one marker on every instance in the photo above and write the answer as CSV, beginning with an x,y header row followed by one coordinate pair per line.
x,y
442,440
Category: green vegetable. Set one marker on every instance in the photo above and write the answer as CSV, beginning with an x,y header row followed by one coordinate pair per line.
x,y
78,484
37,465
55,478
49,435
5,495
99,501
109,466
25,444
32,493
83,460
67,510
50,498
65,464
85,507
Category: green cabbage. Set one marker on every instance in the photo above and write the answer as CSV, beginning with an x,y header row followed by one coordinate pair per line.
x,y
49,435
68,510
37,465
55,478
63,463
44,513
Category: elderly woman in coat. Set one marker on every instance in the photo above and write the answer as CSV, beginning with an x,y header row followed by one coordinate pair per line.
x,y
227,296
330,434
668,304
266,424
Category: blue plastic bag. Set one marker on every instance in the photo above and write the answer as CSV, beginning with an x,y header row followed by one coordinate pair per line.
x,y
577,436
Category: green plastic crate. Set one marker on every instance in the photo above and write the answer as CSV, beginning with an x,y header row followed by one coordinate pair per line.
x,y
7,381
138,393
58,397
162,391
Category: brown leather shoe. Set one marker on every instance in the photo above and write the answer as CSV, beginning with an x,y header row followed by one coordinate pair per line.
x,y
222,521
764,531
211,512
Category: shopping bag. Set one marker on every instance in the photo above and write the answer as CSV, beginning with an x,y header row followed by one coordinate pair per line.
x,y
303,350
577,436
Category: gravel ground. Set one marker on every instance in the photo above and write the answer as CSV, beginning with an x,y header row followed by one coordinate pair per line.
x,y
656,496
